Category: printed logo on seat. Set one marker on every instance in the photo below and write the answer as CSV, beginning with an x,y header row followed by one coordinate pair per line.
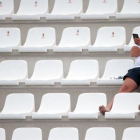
x,y
35,4
113,34
8,33
70,1
43,36
0,4
104,1
77,32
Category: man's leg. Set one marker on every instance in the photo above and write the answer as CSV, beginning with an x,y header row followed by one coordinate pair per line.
x,y
128,86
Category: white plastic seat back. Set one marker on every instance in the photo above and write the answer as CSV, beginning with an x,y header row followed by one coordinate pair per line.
x,y
13,70
75,37
117,67
27,134
9,37
48,69
6,7
131,6
126,102
102,7
18,103
100,133
83,69
2,134
32,7
90,102
111,37
132,133
65,7
38,37
55,103
135,31
64,133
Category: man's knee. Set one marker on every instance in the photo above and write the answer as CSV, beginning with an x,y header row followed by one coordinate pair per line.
x,y
125,88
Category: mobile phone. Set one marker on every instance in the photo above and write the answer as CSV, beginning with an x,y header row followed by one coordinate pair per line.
x,y
135,36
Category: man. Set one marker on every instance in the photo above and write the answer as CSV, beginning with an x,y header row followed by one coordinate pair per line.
x,y
131,79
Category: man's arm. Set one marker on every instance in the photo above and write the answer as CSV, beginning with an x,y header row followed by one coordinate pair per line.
x,y
135,51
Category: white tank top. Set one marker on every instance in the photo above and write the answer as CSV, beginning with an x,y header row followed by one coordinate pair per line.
x,y
137,61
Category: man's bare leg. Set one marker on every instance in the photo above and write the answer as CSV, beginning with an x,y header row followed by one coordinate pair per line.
x,y
128,86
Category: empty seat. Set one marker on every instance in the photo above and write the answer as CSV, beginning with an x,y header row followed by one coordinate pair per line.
x,y
2,134
6,8
27,134
46,72
74,39
125,106
82,72
53,106
18,106
12,72
9,39
100,9
39,40
88,106
64,133
131,10
66,10
100,133
115,70
109,39
31,10
132,133
132,43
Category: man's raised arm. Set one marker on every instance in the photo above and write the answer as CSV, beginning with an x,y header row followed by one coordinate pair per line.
x,y
135,51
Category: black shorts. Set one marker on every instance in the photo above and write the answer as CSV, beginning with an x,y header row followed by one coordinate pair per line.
x,y
134,74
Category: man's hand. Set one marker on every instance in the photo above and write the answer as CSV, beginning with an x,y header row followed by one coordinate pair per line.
x,y
137,41
135,51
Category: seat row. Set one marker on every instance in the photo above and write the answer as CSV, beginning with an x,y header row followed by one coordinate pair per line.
x,y
71,133
74,39
69,9
57,105
47,72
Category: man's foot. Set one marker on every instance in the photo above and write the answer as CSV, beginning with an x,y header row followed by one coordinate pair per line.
x,y
103,109
139,107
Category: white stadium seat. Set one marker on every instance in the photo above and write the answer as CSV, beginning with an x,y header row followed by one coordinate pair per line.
x,y
131,10
88,106
10,38
74,39
66,10
31,10
64,133
39,40
18,106
100,9
114,69
12,72
53,106
27,134
6,8
109,39
46,72
2,134
82,72
132,133
100,133
125,106
132,43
